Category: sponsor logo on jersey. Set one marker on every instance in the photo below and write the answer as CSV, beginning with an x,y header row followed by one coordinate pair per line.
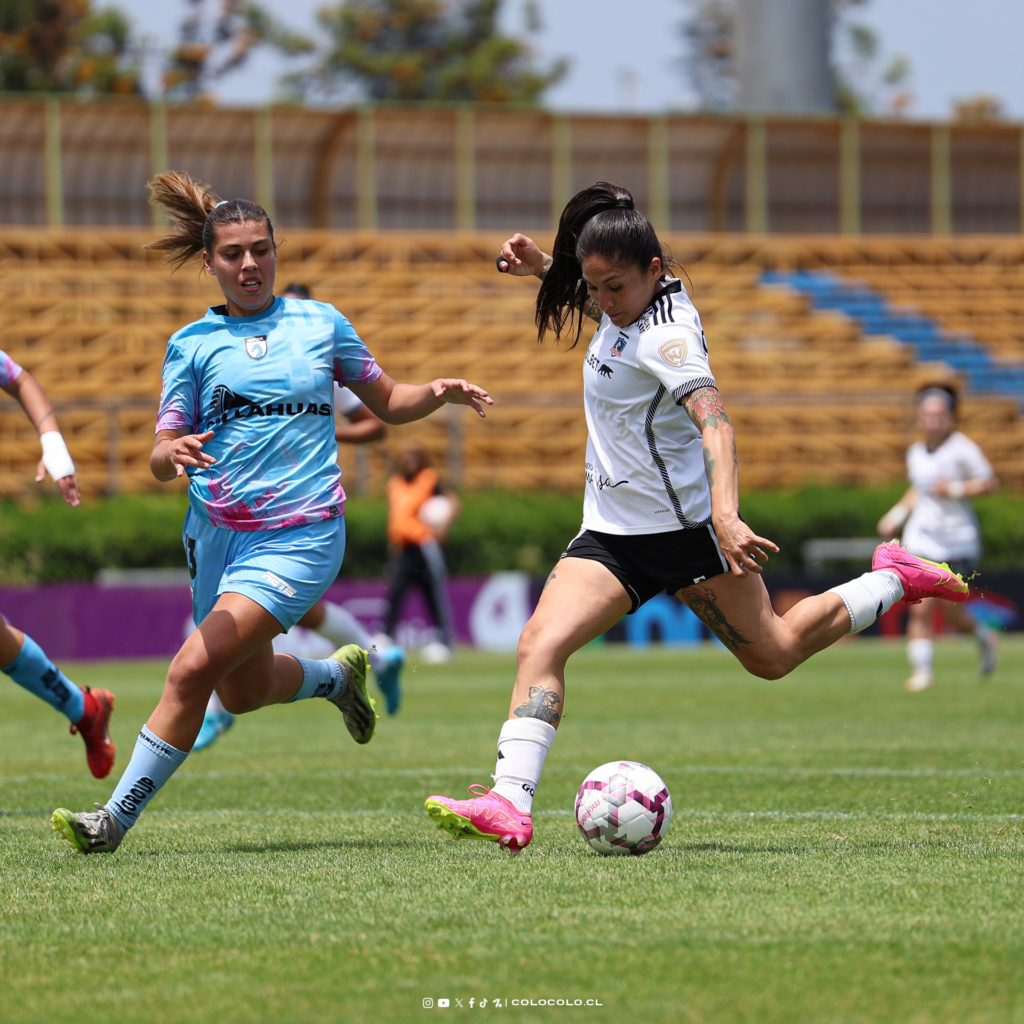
x,y
599,481
605,370
620,346
674,352
257,347
224,399
226,405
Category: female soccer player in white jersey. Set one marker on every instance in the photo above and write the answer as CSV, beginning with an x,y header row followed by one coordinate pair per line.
x,y
246,412
661,506
21,657
946,470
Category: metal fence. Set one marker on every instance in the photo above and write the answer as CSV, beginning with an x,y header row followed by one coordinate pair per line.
x,y
459,167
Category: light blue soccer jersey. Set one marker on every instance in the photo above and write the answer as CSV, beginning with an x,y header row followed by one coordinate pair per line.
x,y
10,371
264,385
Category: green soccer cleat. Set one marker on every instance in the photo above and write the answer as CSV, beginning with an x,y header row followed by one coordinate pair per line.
x,y
88,831
355,704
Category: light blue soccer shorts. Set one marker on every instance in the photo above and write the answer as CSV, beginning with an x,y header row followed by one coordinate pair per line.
x,y
285,570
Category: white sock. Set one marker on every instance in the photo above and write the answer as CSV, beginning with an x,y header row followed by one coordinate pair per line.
x,y
522,746
921,654
869,596
214,705
341,627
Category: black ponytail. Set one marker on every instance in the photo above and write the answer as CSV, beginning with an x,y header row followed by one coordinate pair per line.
x,y
598,221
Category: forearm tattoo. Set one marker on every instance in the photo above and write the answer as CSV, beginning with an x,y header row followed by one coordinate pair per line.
x,y
703,604
704,407
709,467
545,267
541,705
592,309
46,416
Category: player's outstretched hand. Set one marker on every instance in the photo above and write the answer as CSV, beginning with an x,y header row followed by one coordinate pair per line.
x,y
188,451
67,485
460,392
743,549
521,256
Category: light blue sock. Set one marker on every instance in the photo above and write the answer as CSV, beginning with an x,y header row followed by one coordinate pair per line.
x,y
153,763
319,679
34,670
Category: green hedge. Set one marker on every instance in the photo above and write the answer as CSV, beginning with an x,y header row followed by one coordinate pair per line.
x,y
48,541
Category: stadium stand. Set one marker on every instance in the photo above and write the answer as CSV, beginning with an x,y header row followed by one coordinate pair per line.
x,y
813,342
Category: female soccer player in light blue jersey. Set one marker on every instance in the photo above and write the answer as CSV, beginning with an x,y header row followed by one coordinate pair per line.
x,y
247,414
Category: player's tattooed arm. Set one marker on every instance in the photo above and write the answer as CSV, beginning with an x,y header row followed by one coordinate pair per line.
x,y
704,407
542,705
590,308
545,267
703,604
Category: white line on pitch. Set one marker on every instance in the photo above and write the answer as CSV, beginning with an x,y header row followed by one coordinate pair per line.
x,y
694,769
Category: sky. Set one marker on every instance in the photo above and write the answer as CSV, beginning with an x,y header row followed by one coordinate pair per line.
x,y
630,61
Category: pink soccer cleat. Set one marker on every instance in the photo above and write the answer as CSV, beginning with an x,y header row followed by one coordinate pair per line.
x,y
920,578
487,816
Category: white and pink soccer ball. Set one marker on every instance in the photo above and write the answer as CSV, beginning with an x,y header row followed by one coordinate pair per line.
x,y
623,807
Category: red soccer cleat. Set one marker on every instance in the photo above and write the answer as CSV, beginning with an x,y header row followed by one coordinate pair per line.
x,y
94,728
920,577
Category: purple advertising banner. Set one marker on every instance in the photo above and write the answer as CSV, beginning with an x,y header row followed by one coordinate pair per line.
x,y
86,620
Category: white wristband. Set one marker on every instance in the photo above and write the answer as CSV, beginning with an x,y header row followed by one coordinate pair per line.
x,y
56,457
955,488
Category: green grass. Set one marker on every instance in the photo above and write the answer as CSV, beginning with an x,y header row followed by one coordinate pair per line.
x,y
841,851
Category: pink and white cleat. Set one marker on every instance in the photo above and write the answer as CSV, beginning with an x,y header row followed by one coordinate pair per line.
x,y
920,577
486,816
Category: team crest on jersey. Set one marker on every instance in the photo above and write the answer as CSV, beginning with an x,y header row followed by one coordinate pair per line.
x,y
674,352
256,347
620,345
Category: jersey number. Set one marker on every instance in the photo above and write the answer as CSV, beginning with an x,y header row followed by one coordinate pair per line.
x,y
190,548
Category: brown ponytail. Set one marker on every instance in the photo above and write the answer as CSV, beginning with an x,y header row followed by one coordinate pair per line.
x,y
195,210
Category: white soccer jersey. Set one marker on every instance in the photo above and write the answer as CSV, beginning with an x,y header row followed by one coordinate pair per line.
x,y
645,460
345,401
944,529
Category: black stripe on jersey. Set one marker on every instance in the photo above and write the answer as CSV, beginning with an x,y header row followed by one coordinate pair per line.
x,y
690,386
652,447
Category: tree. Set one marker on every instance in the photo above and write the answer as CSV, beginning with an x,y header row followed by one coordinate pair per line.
x,y
209,48
412,50
864,82
65,46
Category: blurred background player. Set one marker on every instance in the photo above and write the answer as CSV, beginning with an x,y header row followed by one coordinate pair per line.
x,y
661,502
21,657
332,621
946,470
246,413
419,517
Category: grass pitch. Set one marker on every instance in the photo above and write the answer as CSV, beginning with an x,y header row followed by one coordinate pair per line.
x,y
841,852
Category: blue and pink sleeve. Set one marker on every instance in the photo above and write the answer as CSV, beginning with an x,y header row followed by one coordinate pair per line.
x,y
353,361
10,371
179,405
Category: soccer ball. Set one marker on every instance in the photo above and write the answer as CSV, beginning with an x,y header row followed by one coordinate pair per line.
x,y
623,807
437,513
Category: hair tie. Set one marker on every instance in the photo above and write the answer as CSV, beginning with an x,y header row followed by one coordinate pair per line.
x,y
222,202
623,204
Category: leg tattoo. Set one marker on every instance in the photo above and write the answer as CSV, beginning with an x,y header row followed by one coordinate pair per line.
x,y
702,603
541,705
